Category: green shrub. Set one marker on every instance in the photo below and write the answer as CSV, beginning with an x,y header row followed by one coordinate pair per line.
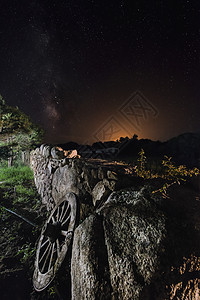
x,y
168,171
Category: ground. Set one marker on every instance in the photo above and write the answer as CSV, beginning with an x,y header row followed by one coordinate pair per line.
x,y
18,242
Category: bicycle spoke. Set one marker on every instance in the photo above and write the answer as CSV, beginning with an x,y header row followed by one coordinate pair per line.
x,y
43,255
58,247
65,212
57,216
42,245
65,220
46,260
62,212
51,256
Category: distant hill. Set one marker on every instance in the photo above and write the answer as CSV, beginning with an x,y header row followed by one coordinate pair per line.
x,y
184,149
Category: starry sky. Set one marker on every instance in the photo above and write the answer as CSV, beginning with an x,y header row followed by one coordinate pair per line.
x,y
97,70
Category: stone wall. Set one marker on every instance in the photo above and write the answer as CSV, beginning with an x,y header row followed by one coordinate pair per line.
x,y
91,180
129,243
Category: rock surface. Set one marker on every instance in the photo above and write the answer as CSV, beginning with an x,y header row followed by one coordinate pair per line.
x,y
130,244
100,192
89,264
134,230
132,239
56,174
64,180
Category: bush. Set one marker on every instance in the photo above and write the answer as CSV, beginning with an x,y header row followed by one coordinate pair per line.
x,y
168,171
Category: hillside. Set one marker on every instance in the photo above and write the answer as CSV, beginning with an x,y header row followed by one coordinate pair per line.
x,y
184,149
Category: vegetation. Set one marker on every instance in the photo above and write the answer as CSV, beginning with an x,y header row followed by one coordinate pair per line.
x,y
16,128
18,194
168,171
16,175
26,252
17,240
17,190
17,134
17,185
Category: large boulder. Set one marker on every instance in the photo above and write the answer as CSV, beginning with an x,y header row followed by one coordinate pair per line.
x,y
130,230
134,232
64,180
89,263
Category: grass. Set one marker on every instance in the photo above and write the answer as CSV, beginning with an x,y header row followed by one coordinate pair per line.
x,y
18,193
17,186
16,175
26,252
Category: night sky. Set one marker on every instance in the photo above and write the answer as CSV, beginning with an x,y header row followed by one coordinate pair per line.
x,y
89,70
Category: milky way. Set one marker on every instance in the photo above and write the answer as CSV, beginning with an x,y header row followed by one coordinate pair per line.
x,y
72,65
